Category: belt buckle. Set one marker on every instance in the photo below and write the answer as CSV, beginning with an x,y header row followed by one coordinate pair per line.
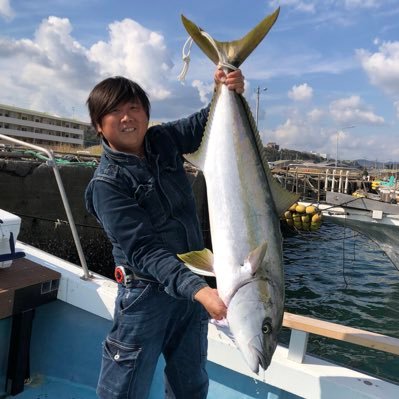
x,y
122,276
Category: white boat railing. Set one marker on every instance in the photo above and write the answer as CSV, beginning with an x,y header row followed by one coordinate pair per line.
x,y
302,374
301,326
51,162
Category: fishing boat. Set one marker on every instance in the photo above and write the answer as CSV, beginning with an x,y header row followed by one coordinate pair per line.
x,y
54,316
377,220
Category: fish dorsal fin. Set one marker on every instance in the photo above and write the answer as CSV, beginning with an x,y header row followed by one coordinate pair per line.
x,y
282,198
234,52
200,262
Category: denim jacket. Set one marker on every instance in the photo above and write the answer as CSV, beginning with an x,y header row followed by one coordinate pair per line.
x,y
147,208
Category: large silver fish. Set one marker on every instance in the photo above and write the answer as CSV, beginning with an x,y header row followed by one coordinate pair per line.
x,y
244,202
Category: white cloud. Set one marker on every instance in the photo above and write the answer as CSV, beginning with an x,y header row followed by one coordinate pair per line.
x,y
316,114
204,90
48,73
396,105
352,110
300,5
288,133
135,52
52,72
303,134
301,93
5,10
311,6
382,67
317,130
362,3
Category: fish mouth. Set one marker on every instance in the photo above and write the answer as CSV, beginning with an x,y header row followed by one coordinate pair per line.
x,y
263,361
260,355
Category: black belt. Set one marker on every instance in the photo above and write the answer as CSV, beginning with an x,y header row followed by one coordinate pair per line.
x,y
126,276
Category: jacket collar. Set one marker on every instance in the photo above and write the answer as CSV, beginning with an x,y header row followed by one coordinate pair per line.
x,y
124,156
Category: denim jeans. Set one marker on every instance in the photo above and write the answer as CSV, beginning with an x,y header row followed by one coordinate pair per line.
x,y
149,322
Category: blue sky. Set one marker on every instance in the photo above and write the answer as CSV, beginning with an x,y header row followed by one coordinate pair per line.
x,y
327,65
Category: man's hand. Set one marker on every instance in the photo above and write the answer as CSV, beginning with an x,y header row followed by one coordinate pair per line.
x,y
211,301
234,80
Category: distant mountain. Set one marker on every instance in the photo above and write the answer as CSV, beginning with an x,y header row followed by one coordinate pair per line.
x,y
365,163
274,154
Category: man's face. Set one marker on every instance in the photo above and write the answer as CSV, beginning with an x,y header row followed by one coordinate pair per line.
x,y
125,127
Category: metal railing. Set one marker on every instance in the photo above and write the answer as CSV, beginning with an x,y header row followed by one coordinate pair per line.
x,y
51,162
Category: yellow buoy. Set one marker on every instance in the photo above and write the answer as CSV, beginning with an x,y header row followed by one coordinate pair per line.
x,y
290,222
316,218
288,215
310,210
300,208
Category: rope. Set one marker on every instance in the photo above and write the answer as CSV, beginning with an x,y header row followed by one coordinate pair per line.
x,y
59,161
186,59
186,56
222,61
57,222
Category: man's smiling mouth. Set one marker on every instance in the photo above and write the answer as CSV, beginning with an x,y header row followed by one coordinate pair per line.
x,y
129,129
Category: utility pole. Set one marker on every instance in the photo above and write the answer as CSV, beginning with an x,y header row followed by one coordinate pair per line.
x,y
338,131
258,89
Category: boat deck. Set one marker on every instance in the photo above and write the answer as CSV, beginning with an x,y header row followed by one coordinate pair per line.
x,y
65,351
52,388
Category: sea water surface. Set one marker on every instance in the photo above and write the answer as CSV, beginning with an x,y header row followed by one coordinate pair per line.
x,y
339,275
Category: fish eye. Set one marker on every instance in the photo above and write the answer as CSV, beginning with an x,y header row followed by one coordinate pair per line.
x,y
266,327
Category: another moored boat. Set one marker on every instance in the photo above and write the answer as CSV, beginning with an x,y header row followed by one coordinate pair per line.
x,y
377,220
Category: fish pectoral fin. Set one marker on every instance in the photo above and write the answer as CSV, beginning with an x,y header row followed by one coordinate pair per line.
x,y
254,259
200,262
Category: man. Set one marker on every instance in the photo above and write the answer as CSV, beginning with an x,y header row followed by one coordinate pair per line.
x,y
141,196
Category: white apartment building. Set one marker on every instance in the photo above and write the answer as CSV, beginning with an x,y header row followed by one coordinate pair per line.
x,y
41,128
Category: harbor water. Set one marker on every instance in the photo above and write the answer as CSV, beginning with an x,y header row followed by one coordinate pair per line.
x,y
338,275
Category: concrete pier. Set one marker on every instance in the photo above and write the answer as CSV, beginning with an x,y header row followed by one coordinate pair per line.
x,y
29,189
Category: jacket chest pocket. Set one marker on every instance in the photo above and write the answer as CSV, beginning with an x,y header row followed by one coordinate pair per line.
x,y
148,198
177,188
175,183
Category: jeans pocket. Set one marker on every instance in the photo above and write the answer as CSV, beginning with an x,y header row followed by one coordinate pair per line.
x,y
117,369
133,297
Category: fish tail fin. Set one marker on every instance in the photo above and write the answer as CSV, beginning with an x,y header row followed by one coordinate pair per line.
x,y
234,52
200,262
